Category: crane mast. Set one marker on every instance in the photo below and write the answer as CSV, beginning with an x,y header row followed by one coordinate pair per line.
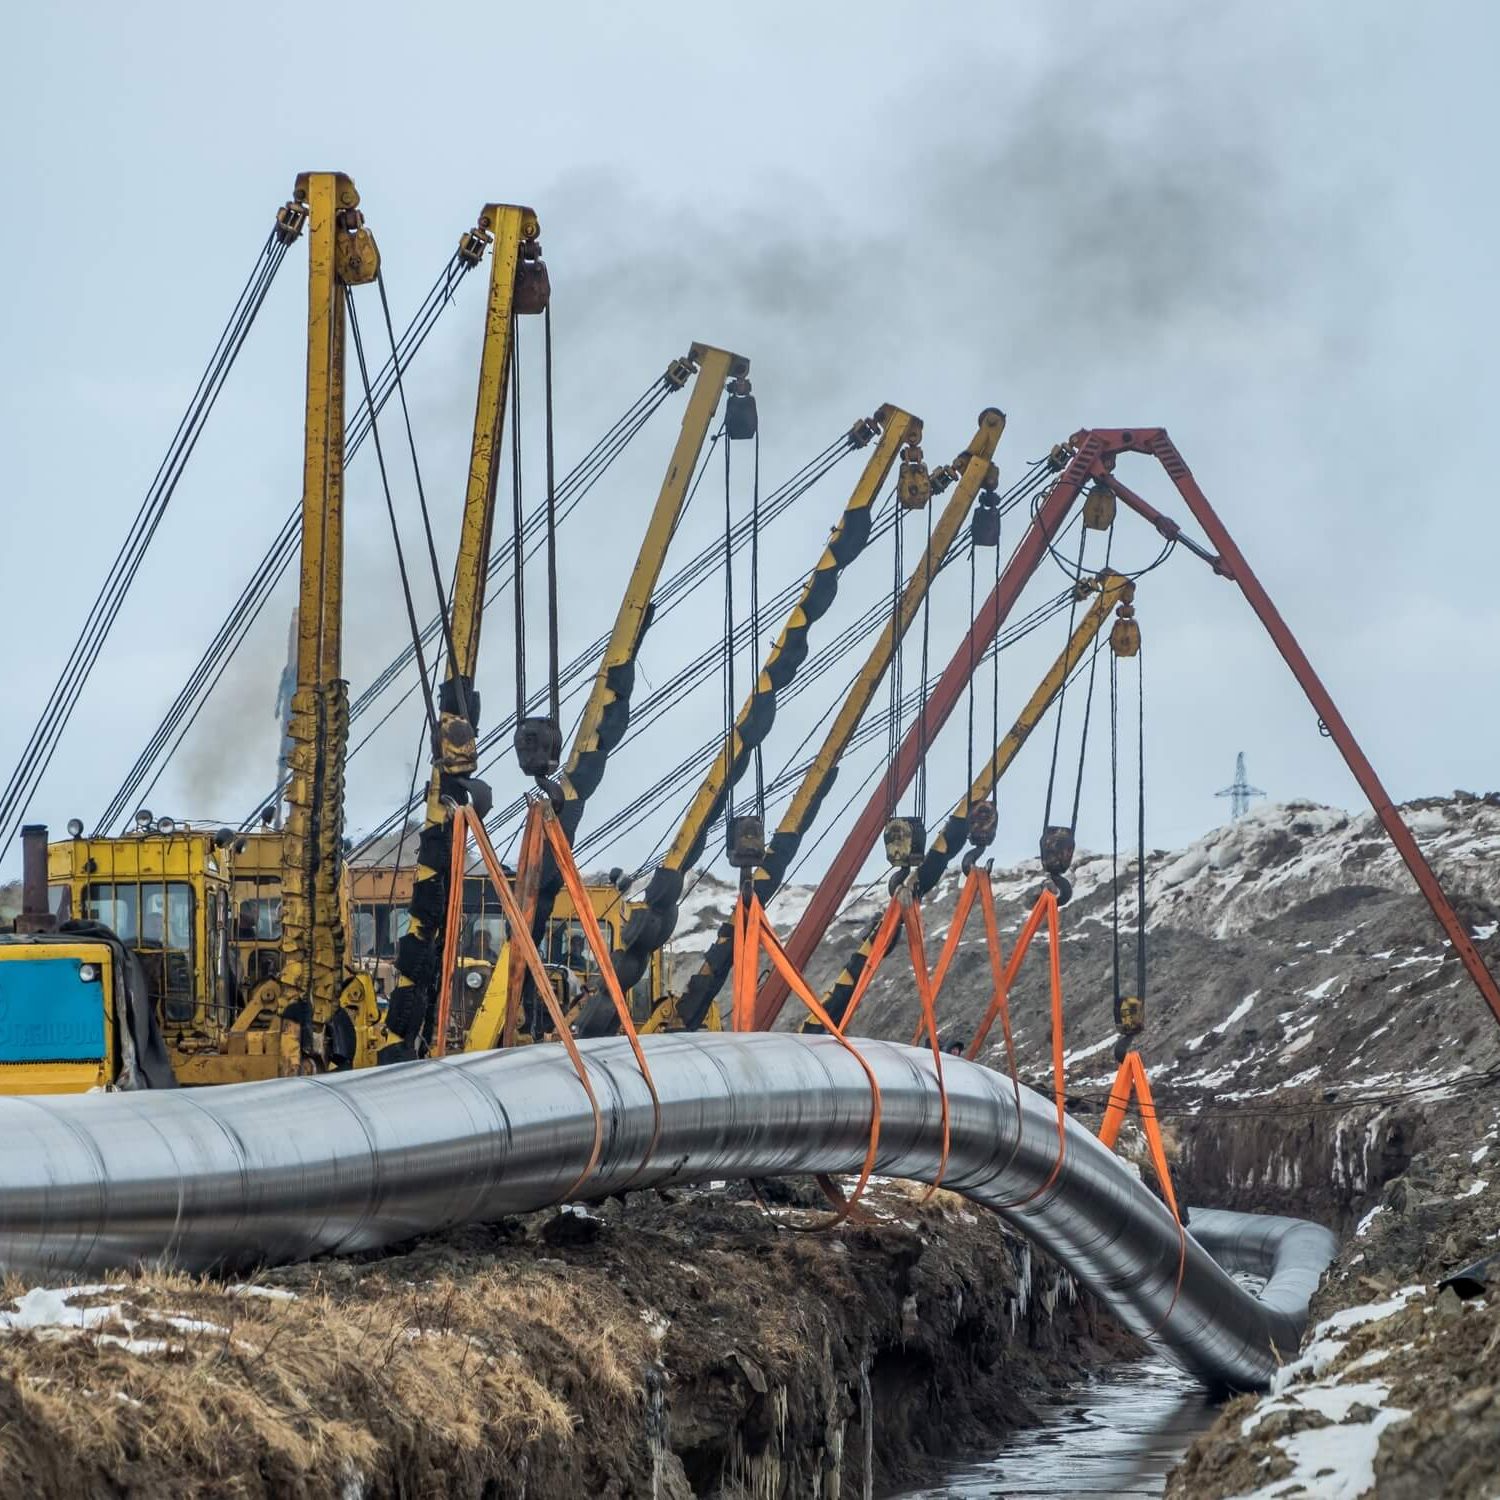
x,y
341,254
518,286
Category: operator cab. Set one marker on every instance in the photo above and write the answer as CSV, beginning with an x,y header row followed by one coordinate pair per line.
x,y
164,892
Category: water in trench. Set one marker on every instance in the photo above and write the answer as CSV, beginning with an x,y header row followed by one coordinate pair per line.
x,y
1118,1434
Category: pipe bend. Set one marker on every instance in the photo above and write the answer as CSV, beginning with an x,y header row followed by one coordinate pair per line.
x,y
286,1169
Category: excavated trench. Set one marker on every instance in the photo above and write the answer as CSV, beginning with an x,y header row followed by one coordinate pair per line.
x,y
1398,1181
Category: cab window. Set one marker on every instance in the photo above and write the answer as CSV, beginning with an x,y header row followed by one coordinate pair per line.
x,y
257,917
483,937
156,920
567,947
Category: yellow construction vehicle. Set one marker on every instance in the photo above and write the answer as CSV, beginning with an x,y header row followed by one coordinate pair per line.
x,y
242,968
380,902
76,1011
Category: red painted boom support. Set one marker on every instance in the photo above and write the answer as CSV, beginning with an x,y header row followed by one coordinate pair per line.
x,y
1094,456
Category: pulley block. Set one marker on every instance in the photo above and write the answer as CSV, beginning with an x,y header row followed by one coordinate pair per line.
x,y
1099,508
984,529
533,289
913,483
746,841
458,749
1125,635
538,745
1130,1014
905,842
984,824
1058,846
739,410
355,254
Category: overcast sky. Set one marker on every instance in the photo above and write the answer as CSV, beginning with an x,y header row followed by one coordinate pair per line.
x,y
1265,226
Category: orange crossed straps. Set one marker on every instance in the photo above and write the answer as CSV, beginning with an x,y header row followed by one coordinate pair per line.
x,y
1131,1079
903,910
541,826
753,935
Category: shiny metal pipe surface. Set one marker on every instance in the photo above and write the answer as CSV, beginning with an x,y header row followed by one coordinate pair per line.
x,y
266,1173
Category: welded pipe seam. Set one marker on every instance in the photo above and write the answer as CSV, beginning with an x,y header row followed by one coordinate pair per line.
x,y
272,1172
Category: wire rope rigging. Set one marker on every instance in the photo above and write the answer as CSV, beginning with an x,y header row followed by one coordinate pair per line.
x,y
62,700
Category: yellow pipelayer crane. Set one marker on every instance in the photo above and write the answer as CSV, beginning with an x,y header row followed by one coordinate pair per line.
x,y
518,287
159,900
899,436
976,476
382,895
606,715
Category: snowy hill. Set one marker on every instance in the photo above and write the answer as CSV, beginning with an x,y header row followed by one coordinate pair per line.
x,y
1289,948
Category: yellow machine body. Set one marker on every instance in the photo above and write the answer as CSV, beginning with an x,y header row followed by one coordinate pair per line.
x,y
166,896
380,897
57,1016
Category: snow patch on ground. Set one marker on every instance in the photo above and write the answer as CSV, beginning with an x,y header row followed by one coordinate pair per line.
x,y
1331,1463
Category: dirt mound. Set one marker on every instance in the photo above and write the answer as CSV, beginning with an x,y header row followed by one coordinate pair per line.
x,y
669,1348
1398,1383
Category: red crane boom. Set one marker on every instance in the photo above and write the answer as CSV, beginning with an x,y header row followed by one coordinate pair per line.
x,y
1094,454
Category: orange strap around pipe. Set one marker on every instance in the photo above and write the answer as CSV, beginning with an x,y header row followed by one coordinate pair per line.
x,y
465,818
956,926
746,967
1045,910
1001,1000
528,878
557,841
1132,1078
762,936
453,919
917,948
1002,990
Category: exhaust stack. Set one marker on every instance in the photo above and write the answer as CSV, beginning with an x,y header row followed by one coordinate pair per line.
x,y
36,912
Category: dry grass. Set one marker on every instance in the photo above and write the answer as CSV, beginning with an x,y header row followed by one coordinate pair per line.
x,y
180,1385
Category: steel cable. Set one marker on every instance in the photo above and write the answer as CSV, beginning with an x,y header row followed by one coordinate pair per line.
x,y
66,691
204,677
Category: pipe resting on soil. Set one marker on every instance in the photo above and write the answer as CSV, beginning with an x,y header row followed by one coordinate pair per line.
x,y
265,1173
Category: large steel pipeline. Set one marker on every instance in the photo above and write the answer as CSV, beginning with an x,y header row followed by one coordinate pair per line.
x,y
271,1172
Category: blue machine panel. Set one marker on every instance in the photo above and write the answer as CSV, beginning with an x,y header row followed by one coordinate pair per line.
x,y
49,1014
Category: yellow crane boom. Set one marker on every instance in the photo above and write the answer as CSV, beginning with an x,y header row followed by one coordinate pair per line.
x,y
898,432
517,285
606,715
341,254
976,471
